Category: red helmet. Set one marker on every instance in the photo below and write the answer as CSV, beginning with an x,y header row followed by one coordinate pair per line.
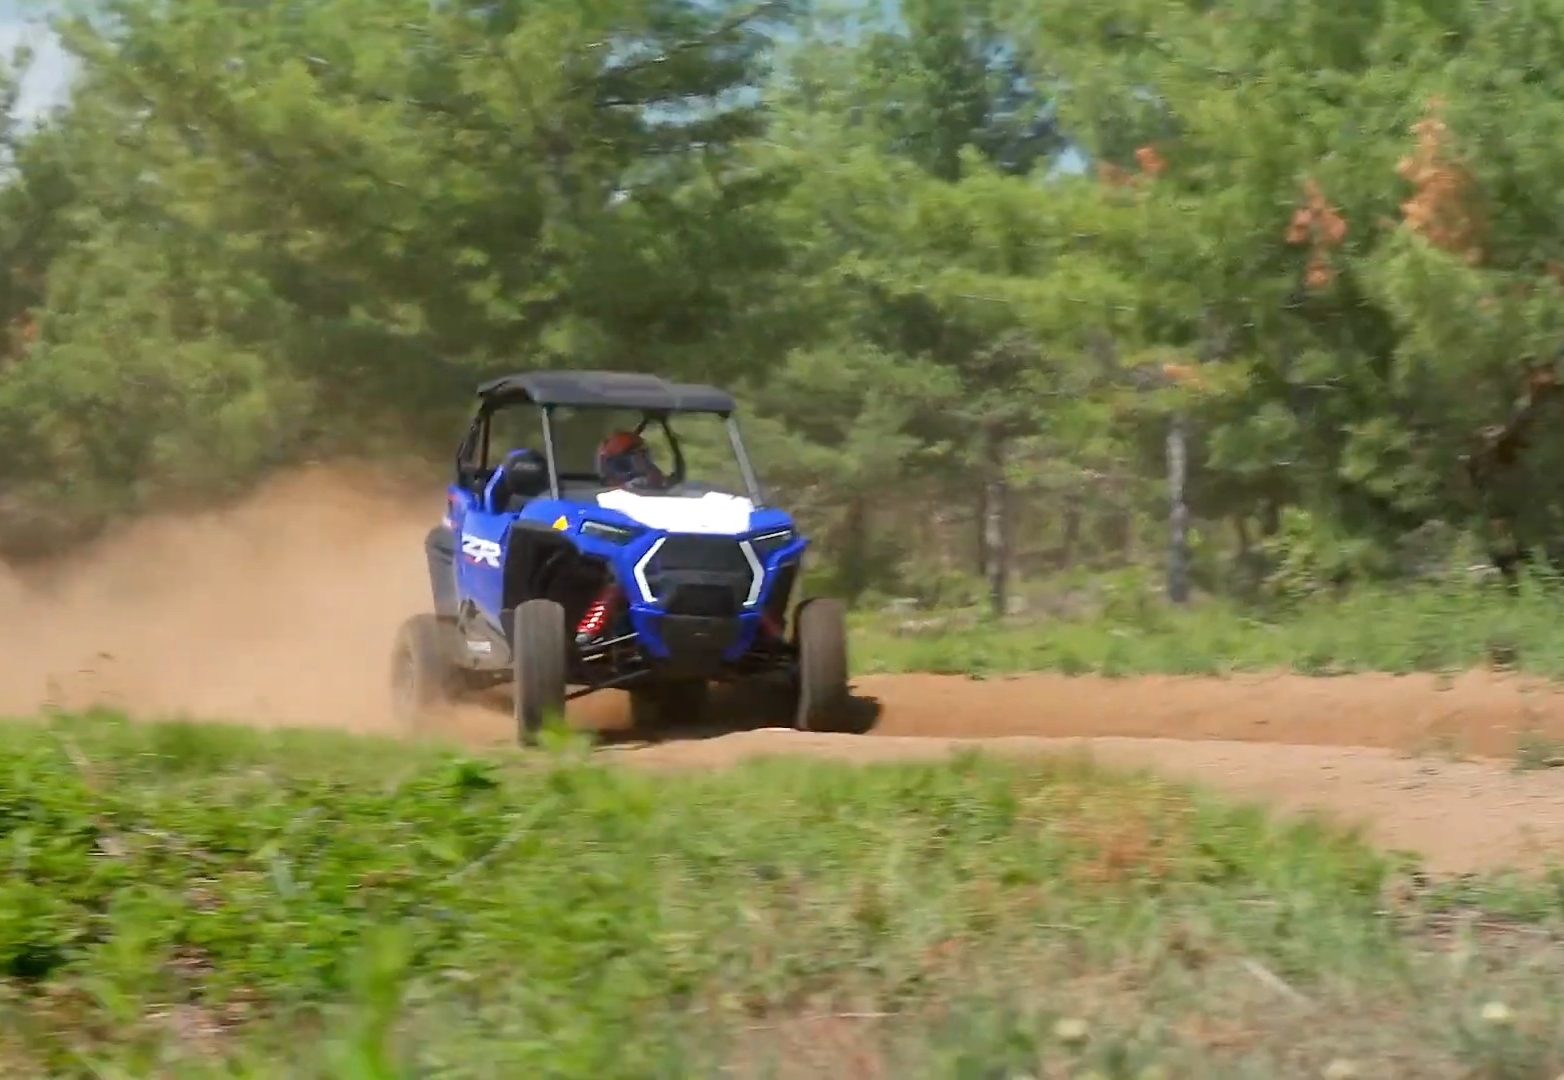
x,y
624,458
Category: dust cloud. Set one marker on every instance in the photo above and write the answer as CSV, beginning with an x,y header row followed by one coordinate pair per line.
x,y
281,609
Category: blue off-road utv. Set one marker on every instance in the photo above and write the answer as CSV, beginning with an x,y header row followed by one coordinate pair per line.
x,y
563,575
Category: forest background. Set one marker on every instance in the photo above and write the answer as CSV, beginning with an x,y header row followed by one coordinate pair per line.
x,y
973,266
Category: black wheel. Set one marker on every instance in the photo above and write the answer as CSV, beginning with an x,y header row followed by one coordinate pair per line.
x,y
539,648
664,705
822,665
423,679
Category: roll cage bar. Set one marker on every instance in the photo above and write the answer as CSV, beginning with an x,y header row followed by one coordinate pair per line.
x,y
656,400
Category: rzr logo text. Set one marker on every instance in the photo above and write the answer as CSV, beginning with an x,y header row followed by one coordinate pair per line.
x,y
483,552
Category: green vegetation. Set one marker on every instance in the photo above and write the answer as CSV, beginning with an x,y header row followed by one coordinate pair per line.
x,y
1119,625
189,900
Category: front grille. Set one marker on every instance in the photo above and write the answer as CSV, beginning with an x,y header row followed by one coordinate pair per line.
x,y
710,601
700,575
711,554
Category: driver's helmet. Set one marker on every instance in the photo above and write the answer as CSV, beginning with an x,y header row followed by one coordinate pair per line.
x,y
623,458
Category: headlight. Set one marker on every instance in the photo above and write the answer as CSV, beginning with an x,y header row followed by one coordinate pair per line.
x,y
614,534
767,543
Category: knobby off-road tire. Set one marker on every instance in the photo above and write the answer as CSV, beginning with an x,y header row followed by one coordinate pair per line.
x,y
423,678
658,708
822,666
539,649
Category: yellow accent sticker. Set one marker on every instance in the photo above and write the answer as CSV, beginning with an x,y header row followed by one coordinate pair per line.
x,y
561,523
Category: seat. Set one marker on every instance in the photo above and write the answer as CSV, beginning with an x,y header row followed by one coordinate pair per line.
x,y
523,476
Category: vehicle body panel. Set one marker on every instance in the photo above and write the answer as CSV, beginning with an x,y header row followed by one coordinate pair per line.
x,y
703,574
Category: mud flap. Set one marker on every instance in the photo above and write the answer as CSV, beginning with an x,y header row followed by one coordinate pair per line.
x,y
440,548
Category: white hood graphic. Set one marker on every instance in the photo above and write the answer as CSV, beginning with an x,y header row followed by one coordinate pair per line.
x,y
713,513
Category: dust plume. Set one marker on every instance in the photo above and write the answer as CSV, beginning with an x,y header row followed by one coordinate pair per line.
x,y
281,609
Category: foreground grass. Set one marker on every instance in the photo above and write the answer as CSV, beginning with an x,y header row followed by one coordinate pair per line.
x,y
1123,627
185,900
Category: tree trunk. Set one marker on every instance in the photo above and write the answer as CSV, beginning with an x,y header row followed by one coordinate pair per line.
x,y
984,552
1123,522
1270,518
1071,539
996,528
855,549
1178,517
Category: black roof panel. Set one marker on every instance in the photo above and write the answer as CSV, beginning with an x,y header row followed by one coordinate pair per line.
x,y
608,390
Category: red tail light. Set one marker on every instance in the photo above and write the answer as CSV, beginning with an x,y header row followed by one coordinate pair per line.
x,y
598,612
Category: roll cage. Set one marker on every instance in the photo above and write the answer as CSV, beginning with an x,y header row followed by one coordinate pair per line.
x,y
654,398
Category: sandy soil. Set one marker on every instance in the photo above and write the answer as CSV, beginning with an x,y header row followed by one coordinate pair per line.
x,y
282,611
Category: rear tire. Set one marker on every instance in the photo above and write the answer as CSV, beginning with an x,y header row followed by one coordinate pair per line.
x,y
423,678
822,665
659,707
539,650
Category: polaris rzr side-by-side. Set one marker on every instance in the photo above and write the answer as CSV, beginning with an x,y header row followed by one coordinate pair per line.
x,y
566,573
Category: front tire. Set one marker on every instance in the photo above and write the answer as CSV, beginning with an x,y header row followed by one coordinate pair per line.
x,y
539,649
823,696
423,678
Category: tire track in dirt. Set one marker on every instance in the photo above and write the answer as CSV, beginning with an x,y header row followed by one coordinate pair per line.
x,y
1476,713
281,611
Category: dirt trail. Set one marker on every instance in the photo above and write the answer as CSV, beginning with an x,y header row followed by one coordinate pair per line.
x,y
1477,713
281,611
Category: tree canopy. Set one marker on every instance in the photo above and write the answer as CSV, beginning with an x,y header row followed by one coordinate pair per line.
x,y
961,263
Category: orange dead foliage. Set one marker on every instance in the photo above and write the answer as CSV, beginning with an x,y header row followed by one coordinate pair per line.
x,y
1319,226
1114,176
1152,165
1185,374
1442,206
1124,851
1123,842
20,336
